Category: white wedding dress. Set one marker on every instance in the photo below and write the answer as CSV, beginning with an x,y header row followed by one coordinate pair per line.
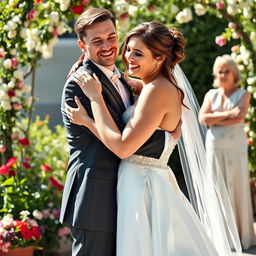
x,y
154,217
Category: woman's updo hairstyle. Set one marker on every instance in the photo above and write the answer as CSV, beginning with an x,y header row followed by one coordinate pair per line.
x,y
161,41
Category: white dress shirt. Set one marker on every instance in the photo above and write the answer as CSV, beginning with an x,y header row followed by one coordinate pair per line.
x,y
114,78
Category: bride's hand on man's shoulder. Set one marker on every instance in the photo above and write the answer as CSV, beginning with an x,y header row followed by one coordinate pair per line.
x,y
90,85
76,113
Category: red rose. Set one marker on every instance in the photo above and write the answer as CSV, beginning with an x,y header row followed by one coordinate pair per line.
x,y
45,168
26,165
11,93
77,9
4,170
11,161
36,233
12,173
55,183
24,141
25,232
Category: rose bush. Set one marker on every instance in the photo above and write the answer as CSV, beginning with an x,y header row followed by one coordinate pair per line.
x,y
32,180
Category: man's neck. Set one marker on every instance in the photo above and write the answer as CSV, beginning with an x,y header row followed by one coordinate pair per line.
x,y
111,68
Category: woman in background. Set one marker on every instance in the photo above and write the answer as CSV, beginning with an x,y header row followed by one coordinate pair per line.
x,y
223,111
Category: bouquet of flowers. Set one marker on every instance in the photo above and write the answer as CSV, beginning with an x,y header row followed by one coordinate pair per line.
x,y
23,232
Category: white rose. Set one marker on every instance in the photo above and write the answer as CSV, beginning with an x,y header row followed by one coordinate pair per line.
x,y
61,28
7,63
6,105
37,214
241,67
13,52
26,88
11,85
12,34
247,12
11,25
3,95
18,93
18,74
174,9
28,101
121,7
16,19
254,95
184,16
232,10
231,2
23,33
246,129
14,99
123,24
143,2
251,80
7,220
250,89
133,9
54,17
199,9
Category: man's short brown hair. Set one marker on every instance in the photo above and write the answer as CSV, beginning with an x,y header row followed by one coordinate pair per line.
x,y
89,17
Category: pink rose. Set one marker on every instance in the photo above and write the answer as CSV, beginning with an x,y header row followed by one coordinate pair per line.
x,y
235,48
85,2
2,148
2,54
232,25
32,14
46,213
15,136
11,161
4,169
124,16
14,62
19,84
63,231
16,106
45,168
55,32
220,5
220,40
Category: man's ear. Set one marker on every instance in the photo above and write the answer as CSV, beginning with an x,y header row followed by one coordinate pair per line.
x,y
81,45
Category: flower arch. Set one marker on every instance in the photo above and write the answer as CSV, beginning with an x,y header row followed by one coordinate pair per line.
x,y
30,29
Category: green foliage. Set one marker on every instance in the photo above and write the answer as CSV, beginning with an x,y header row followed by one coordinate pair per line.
x,y
28,183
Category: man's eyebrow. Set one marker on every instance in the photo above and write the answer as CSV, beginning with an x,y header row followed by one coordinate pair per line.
x,y
98,38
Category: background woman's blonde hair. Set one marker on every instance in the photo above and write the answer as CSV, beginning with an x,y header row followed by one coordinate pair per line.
x,y
225,59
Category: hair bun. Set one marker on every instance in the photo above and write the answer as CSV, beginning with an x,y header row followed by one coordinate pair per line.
x,y
178,45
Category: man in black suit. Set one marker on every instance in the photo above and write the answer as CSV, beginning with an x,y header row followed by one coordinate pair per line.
x,y
89,198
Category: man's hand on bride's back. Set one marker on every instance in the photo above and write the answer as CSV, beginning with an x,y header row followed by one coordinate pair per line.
x,y
176,134
76,65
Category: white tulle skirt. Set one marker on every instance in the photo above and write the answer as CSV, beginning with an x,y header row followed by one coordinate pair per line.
x,y
154,217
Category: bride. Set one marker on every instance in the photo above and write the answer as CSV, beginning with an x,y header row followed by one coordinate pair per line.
x,y
154,217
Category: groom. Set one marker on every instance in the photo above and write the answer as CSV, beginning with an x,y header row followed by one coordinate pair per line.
x,y
89,199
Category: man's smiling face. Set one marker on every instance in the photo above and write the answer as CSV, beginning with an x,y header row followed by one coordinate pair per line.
x,y
101,43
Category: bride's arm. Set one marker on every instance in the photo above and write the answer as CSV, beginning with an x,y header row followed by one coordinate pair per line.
x,y
152,105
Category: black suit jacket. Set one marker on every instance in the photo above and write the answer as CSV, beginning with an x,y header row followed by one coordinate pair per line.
x,y
89,196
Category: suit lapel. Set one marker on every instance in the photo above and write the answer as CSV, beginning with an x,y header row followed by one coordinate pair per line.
x,y
107,87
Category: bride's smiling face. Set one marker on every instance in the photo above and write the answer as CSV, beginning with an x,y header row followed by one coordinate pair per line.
x,y
139,59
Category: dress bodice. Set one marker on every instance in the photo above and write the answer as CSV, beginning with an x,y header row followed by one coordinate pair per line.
x,y
170,144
